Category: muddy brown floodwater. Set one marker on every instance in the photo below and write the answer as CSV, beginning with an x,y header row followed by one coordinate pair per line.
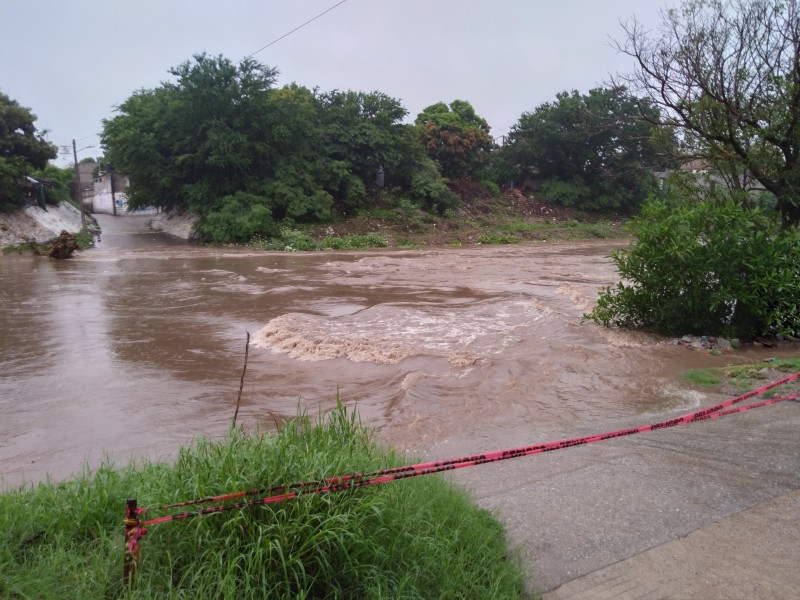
x,y
136,347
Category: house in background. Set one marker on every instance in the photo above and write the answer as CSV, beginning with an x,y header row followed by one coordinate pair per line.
x,y
109,195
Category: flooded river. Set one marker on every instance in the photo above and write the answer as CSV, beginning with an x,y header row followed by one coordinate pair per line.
x,y
137,346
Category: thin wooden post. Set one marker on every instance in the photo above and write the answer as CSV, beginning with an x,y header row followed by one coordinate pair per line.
x,y
131,525
241,383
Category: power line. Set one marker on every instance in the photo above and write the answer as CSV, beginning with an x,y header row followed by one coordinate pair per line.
x,y
297,28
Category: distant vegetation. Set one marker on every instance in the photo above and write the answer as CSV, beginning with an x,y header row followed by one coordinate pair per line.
x,y
252,159
418,538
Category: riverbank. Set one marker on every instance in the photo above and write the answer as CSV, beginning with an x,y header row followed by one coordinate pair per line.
x,y
33,225
480,219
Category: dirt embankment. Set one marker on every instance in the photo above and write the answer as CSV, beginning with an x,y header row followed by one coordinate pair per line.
x,y
180,225
32,224
479,218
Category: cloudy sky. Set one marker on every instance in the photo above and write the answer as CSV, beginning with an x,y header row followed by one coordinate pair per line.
x,y
72,61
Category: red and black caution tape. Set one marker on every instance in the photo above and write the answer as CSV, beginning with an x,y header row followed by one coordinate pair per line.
x,y
136,528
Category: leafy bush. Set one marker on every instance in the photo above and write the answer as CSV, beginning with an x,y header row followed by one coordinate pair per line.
x,y
430,189
419,538
573,193
287,239
706,268
407,208
492,187
599,196
240,218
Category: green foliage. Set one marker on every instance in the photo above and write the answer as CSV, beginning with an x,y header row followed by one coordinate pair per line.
x,y
418,538
360,134
570,230
240,218
220,129
496,238
287,239
59,181
292,240
204,136
492,187
567,193
429,189
704,377
706,267
454,136
353,242
22,150
589,151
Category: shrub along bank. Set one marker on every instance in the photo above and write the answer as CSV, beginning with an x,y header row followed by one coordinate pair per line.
x,y
418,538
709,267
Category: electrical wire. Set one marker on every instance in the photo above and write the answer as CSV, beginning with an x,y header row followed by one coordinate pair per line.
x,y
297,28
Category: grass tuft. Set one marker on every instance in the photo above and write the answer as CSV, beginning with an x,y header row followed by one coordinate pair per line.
x,y
704,377
416,538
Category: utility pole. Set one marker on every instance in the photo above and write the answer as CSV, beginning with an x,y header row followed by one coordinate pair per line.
x,y
78,189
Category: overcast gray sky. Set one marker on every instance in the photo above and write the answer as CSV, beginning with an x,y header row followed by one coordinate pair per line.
x,y
72,61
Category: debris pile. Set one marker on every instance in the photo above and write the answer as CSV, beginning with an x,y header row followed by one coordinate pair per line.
x,y
64,246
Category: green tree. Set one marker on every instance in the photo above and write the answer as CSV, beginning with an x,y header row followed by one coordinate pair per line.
x,y
58,183
193,141
22,149
362,133
222,141
726,74
455,136
589,151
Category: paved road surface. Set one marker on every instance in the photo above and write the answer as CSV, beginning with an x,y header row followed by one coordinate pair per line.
x,y
708,510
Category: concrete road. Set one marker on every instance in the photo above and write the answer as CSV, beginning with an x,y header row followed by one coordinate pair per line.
x,y
131,232
706,510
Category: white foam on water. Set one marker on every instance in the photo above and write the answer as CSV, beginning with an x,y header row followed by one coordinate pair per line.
x,y
388,334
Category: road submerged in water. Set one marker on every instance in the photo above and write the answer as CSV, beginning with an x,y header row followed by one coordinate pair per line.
x,y
137,346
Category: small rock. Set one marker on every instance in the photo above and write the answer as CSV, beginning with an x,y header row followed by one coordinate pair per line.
x,y
724,344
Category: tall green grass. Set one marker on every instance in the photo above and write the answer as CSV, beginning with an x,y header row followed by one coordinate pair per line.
x,y
416,538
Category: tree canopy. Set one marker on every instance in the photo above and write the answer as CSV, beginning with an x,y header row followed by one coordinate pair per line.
x,y
223,141
587,150
727,75
190,142
23,150
454,136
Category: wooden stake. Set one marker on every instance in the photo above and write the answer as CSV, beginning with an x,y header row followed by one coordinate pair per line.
x,y
131,524
241,383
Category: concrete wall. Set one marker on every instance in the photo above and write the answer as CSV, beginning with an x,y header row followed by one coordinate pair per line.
x,y
103,203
